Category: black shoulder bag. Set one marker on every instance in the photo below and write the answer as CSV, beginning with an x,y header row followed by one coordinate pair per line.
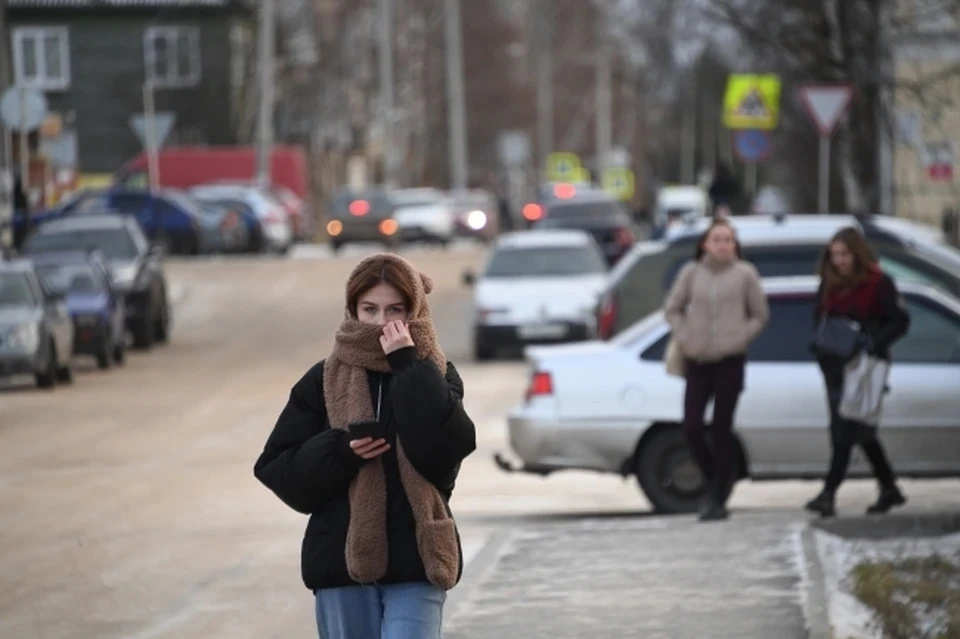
x,y
838,337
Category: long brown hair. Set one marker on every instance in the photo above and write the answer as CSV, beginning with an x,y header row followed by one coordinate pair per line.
x,y
377,271
864,259
700,252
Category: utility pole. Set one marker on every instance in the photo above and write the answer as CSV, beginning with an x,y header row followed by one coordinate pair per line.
x,y
456,115
6,153
267,90
604,101
544,37
884,111
386,91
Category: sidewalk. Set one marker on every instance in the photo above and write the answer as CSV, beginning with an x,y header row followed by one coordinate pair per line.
x,y
646,577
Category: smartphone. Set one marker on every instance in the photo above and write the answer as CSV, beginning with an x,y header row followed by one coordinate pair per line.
x,y
372,429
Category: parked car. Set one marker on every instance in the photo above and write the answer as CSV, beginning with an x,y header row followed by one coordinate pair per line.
x,y
536,288
777,246
253,240
535,210
36,333
96,308
136,267
476,214
677,206
610,406
222,224
599,215
423,214
362,216
300,216
274,219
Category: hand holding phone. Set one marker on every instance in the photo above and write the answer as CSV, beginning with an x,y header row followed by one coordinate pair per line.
x,y
368,439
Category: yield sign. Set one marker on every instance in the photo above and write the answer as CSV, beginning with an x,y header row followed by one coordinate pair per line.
x,y
826,104
163,122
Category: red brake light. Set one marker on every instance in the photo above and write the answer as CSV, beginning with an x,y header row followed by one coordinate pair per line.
x,y
532,212
359,207
540,384
607,318
564,191
624,237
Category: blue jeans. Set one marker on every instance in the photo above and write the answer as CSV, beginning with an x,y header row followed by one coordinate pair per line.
x,y
395,611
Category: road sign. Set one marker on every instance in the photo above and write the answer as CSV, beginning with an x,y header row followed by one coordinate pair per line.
x,y
581,175
752,145
513,148
938,159
22,108
562,167
619,182
752,102
163,122
826,104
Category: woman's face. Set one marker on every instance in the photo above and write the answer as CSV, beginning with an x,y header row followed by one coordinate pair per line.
x,y
841,258
381,304
720,244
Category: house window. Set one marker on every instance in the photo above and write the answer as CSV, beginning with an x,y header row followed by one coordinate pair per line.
x,y
41,57
172,56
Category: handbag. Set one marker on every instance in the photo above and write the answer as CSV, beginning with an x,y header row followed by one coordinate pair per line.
x,y
676,365
838,337
864,385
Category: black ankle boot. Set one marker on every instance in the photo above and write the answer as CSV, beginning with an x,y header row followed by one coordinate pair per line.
x,y
890,497
823,504
713,509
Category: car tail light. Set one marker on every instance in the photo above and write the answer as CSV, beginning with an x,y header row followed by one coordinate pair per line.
x,y
359,208
334,228
564,191
388,227
532,212
607,317
541,383
624,237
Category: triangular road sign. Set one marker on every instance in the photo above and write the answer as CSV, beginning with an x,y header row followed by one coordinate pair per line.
x,y
826,104
753,105
163,124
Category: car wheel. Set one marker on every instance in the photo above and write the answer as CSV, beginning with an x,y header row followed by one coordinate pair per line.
x,y
120,352
482,352
105,358
144,332
162,334
65,374
48,378
668,474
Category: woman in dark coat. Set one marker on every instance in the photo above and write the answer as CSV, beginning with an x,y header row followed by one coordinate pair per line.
x,y
852,286
381,547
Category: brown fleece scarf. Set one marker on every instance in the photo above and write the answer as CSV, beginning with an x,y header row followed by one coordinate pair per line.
x,y
346,391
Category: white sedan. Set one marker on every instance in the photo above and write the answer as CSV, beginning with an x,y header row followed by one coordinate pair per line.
x,y
537,287
611,407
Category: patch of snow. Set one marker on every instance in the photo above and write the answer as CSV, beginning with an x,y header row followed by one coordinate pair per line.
x,y
849,618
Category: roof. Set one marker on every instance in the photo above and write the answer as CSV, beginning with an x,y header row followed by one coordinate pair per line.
x,y
86,221
787,229
544,238
121,4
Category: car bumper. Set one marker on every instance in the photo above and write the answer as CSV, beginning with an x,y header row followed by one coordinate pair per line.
x,y
497,335
545,444
16,364
363,234
89,339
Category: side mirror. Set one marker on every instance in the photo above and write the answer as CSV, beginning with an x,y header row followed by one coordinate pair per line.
x,y
469,278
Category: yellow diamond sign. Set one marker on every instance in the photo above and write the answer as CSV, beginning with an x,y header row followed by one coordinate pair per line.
x,y
752,101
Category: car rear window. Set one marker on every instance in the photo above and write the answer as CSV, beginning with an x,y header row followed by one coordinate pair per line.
x,y
578,210
547,261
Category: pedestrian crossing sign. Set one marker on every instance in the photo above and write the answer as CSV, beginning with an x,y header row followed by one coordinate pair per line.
x,y
619,182
752,102
562,167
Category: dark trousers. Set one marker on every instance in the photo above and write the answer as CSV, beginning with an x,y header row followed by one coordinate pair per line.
x,y
721,381
845,434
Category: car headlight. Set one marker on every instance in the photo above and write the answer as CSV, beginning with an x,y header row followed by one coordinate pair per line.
x,y
24,337
476,220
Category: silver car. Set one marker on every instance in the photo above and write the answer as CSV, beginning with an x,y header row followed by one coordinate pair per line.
x,y
36,331
610,406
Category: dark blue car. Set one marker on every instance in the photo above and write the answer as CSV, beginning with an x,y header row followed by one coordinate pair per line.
x,y
97,310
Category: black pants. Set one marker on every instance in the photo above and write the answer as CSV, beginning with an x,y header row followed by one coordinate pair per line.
x,y
845,434
721,381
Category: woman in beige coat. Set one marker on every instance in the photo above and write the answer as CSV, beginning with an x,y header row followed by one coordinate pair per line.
x,y
716,309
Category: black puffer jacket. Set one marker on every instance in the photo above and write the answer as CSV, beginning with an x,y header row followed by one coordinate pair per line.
x,y
309,465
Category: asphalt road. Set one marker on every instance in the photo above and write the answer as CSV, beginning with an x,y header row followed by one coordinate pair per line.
x,y
128,507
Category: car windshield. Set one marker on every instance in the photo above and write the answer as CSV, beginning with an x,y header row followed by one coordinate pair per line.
x,y
545,261
69,278
15,290
115,244
583,210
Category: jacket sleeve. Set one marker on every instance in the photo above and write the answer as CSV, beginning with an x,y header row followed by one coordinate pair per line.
x,y
758,309
434,428
676,305
304,462
894,320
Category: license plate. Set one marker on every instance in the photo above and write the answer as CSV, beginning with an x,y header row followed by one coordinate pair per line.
x,y
542,331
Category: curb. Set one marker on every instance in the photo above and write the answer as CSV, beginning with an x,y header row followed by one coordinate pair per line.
x,y
476,572
817,606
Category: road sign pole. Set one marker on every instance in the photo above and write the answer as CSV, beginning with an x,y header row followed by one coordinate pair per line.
x,y
751,177
24,146
150,133
824,182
